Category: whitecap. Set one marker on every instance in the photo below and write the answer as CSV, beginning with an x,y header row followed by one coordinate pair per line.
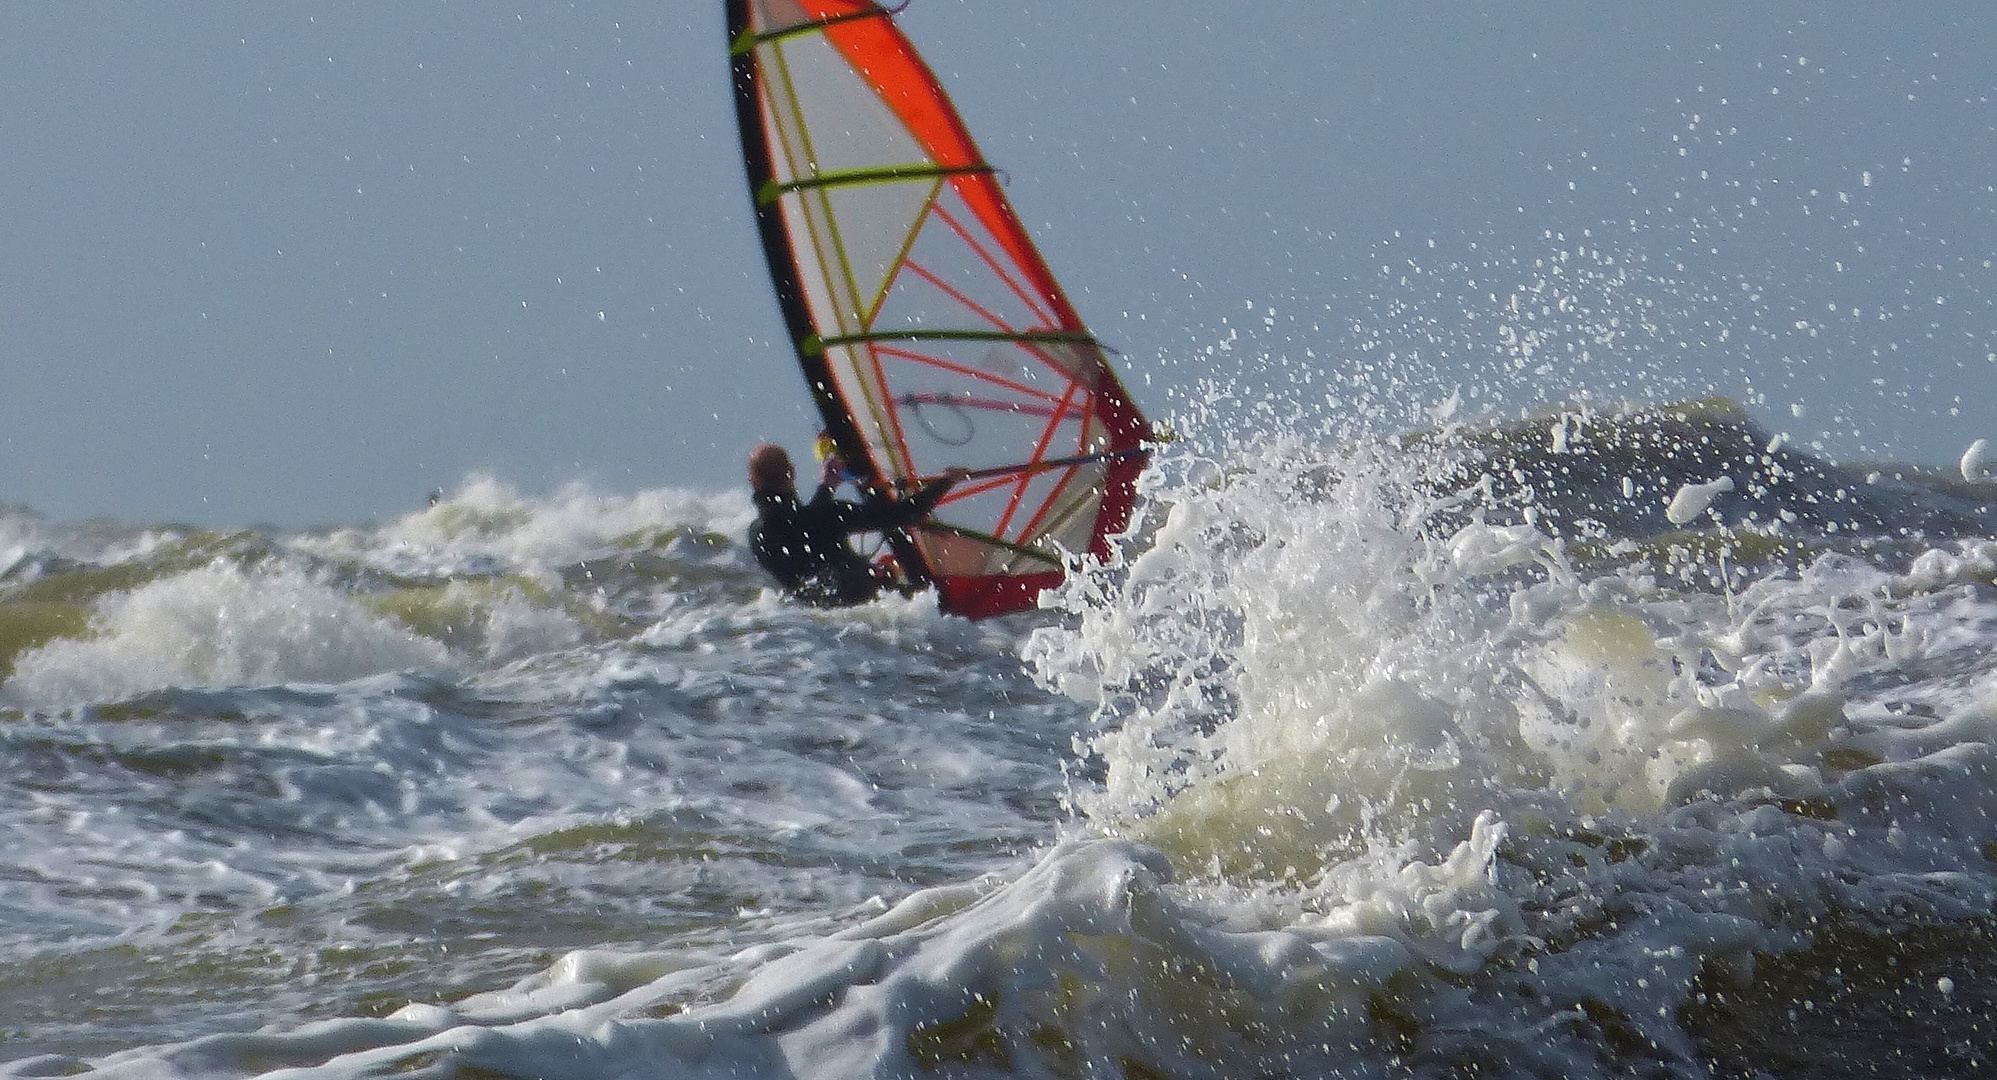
x,y
219,626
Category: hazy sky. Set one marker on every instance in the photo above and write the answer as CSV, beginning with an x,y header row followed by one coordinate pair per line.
x,y
304,261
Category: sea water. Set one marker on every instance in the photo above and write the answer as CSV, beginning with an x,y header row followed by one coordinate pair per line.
x,y
1611,741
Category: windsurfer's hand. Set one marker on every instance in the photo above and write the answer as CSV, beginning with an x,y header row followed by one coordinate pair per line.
x,y
832,472
956,474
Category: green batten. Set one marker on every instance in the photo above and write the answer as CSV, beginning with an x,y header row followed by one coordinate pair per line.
x,y
813,345
745,42
987,538
887,174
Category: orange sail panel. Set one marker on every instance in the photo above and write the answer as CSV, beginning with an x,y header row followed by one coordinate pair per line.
x,y
930,331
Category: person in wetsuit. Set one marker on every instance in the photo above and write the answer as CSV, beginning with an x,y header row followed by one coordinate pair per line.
x,y
804,545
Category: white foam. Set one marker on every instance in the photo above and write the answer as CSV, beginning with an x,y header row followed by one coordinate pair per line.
x,y
219,626
1479,549
487,525
1088,949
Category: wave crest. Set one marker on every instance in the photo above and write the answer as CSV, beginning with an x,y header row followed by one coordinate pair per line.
x,y
219,626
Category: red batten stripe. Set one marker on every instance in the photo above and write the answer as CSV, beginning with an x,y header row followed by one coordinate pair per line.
x,y
1036,304
991,318
968,372
1039,454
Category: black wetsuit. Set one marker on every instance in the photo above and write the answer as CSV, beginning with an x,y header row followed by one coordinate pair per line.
x,y
804,546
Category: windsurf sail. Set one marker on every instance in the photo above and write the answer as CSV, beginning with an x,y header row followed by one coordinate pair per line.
x,y
930,331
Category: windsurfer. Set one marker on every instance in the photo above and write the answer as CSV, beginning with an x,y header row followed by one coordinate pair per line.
x,y
805,545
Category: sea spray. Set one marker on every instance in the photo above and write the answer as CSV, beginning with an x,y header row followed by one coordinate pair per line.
x,y
1692,500
1327,666
1257,733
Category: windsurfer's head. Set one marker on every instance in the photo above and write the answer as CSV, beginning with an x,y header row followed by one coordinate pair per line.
x,y
770,470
